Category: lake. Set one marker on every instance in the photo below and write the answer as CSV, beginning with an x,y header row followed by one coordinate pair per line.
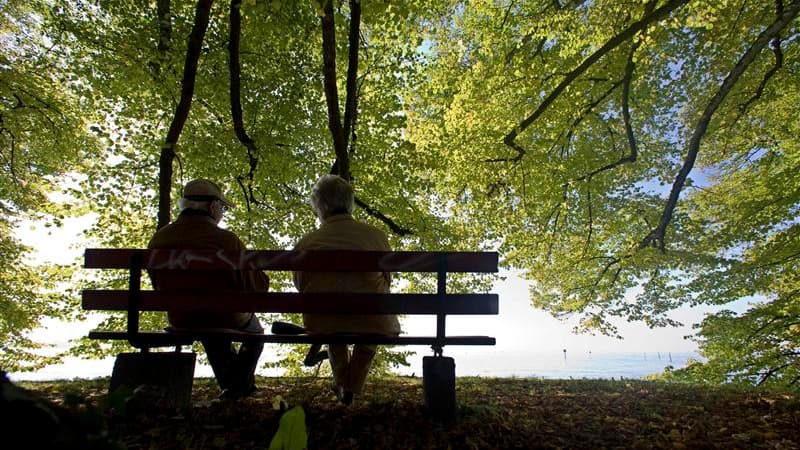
x,y
470,361
557,364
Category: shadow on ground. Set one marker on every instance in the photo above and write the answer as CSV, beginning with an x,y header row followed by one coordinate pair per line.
x,y
492,413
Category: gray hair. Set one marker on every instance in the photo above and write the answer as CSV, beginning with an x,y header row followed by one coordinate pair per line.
x,y
332,195
185,203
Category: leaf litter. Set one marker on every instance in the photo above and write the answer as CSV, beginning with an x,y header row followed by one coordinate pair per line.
x,y
492,413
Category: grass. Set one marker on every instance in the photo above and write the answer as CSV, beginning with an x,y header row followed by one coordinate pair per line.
x,y
492,413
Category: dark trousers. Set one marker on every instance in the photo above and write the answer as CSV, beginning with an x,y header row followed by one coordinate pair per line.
x,y
235,369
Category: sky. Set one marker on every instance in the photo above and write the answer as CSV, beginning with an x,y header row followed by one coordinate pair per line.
x,y
519,328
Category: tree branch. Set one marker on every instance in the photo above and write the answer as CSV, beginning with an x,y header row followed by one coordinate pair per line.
x,y
203,102
505,16
557,213
775,45
164,33
201,14
629,32
234,67
656,237
784,260
764,326
590,225
626,111
353,136
776,49
569,131
626,116
396,229
352,69
608,266
35,97
331,90
589,108
764,376
12,151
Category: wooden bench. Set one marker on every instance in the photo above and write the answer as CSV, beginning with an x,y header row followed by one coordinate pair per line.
x,y
438,371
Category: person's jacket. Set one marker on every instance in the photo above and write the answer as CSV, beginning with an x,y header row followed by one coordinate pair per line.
x,y
342,232
197,230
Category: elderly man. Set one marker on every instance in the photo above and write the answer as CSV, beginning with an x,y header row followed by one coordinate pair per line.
x,y
333,201
202,207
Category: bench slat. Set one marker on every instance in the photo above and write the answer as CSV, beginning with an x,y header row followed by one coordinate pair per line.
x,y
292,302
164,339
308,260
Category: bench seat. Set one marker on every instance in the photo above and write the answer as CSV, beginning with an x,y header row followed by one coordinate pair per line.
x,y
169,339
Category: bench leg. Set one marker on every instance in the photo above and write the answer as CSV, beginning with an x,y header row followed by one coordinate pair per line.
x,y
170,375
439,386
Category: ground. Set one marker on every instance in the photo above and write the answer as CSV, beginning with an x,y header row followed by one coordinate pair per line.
x,y
492,413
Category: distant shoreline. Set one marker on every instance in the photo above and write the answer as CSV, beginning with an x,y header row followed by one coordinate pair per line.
x,y
469,363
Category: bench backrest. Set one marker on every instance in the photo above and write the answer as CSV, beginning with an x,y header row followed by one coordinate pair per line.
x,y
441,304
293,260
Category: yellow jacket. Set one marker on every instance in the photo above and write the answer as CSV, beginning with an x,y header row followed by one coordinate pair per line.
x,y
342,232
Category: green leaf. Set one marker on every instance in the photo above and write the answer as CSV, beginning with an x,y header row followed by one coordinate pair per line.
x,y
291,434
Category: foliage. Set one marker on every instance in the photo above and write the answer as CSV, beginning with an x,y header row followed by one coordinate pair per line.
x,y
26,295
492,413
756,347
41,143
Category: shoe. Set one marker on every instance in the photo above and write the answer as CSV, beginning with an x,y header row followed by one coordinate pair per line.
x,y
315,356
345,397
287,328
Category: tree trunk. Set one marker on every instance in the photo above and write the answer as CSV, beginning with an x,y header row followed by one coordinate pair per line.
x,y
340,132
202,11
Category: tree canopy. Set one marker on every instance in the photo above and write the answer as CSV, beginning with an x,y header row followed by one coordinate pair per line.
x,y
629,157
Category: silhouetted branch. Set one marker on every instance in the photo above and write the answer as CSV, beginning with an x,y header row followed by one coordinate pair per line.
x,y
775,45
332,91
352,69
590,224
11,163
629,32
182,110
660,13
164,34
396,229
234,67
656,237
764,376
626,115
587,110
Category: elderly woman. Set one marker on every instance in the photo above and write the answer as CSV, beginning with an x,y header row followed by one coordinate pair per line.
x,y
333,202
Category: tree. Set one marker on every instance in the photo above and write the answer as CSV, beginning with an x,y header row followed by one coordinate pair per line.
x,y
576,117
42,140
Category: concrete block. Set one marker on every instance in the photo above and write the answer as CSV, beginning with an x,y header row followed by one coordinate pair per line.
x,y
165,378
439,386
